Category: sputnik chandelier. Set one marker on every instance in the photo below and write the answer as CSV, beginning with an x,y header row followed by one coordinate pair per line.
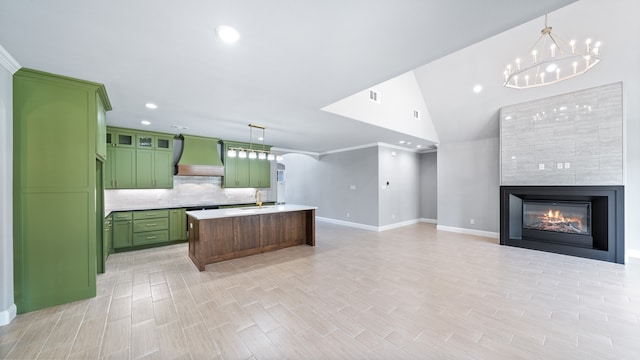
x,y
251,153
551,60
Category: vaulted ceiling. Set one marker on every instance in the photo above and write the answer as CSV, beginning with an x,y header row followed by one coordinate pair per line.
x,y
293,59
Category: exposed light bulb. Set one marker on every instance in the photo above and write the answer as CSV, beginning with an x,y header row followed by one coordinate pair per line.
x,y
262,156
253,155
242,154
271,157
231,153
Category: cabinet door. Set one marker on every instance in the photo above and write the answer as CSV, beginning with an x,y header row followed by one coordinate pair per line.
x,y
109,165
144,169
242,172
177,225
163,143
124,139
259,173
101,130
145,141
163,169
124,168
122,234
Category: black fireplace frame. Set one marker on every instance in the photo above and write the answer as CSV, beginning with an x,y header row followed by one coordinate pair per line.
x,y
608,240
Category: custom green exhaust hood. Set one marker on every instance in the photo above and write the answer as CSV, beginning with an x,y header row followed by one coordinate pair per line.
x,y
200,157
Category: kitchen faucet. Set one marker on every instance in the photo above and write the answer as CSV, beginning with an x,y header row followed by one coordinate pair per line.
x,y
259,198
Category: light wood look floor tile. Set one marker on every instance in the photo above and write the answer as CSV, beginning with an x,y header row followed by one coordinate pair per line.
x,y
407,293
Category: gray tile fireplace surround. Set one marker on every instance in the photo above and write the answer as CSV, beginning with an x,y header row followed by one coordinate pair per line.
x,y
561,149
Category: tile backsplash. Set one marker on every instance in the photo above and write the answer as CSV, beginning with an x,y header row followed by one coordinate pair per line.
x,y
187,191
570,139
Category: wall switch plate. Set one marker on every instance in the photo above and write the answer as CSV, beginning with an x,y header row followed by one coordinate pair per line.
x,y
567,165
472,221
540,166
559,165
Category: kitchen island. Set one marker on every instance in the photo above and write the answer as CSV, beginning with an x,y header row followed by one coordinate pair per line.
x,y
224,234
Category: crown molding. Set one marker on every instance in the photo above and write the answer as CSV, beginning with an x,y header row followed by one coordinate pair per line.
x,y
8,62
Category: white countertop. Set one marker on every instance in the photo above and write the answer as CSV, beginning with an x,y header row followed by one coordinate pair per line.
x,y
245,211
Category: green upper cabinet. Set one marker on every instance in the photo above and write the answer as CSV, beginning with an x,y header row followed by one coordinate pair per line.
x,y
138,160
245,172
153,141
54,187
120,168
154,169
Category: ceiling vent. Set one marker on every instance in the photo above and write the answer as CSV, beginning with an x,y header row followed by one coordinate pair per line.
x,y
416,114
374,96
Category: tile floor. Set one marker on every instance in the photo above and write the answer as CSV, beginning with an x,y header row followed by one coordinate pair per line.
x,y
408,293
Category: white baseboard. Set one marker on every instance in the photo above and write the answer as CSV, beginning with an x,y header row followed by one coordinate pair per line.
x,y
347,223
7,315
367,227
397,225
482,233
430,221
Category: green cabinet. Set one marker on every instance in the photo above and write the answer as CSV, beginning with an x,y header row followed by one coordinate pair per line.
x,y
54,188
106,241
245,172
101,130
122,230
150,227
120,168
177,224
138,160
154,169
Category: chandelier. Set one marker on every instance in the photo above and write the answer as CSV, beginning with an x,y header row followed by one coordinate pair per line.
x,y
551,60
251,153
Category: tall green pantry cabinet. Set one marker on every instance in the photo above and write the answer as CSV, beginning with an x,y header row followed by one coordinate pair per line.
x,y
59,127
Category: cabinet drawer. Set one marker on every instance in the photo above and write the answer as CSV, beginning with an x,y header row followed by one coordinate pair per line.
x,y
150,237
150,214
120,216
150,225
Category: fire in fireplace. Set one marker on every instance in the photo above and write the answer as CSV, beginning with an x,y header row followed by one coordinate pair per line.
x,y
571,218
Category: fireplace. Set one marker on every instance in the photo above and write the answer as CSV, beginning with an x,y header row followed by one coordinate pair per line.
x,y
585,221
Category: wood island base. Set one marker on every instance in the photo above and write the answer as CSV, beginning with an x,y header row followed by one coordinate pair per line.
x,y
218,239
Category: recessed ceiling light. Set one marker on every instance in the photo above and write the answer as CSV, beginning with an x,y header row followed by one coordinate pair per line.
x,y
260,138
151,106
401,141
418,146
477,89
180,127
408,142
145,122
227,34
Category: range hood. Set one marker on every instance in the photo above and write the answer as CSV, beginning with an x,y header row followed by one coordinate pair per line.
x,y
200,157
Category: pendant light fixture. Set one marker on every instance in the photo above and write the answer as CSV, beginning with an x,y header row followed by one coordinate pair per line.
x,y
251,153
551,60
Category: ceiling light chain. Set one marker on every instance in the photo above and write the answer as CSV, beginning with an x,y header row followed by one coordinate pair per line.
x,y
252,153
551,60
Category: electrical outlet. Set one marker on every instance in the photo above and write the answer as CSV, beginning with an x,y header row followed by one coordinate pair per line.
x,y
560,165
352,187
567,165
348,215
540,166
472,221
393,217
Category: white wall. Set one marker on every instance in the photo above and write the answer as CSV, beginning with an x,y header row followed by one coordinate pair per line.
x,y
398,98
468,185
327,183
400,199
429,186
7,67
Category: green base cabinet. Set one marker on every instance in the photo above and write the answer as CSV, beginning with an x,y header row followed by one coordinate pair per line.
x,y
177,224
122,230
56,121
